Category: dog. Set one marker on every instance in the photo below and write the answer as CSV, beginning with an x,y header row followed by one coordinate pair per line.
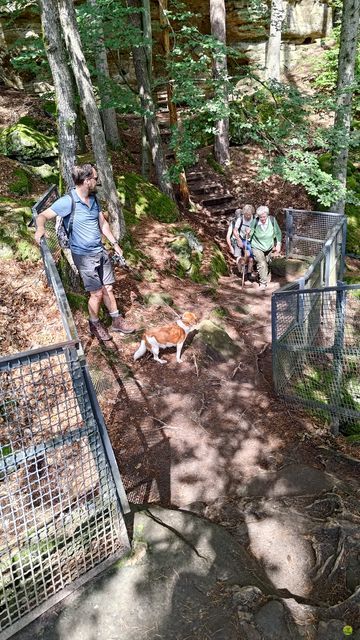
x,y
171,335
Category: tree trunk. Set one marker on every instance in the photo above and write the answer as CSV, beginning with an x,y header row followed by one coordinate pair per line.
x,y
145,149
88,102
272,64
173,116
218,30
108,115
65,99
345,88
148,107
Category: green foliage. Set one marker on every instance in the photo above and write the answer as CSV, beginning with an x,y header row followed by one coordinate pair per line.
x,y
141,198
325,66
28,56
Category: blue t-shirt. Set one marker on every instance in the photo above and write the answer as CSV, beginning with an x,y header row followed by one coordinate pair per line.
x,y
85,237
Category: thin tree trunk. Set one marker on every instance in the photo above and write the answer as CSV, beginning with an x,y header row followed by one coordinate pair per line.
x,y
148,107
145,149
65,98
88,102
345,88
108,114
173,115
272,64
218,30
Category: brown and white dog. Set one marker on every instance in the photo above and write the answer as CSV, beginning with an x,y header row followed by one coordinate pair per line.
x,y
170,335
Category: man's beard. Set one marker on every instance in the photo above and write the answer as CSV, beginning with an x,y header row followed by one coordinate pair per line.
x,y
93,191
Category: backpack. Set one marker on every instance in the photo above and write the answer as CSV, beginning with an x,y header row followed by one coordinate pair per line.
x,y
232,224
62,233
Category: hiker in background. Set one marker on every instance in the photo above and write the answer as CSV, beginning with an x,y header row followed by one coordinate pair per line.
x,y
87,250
242,230
265,240
238,233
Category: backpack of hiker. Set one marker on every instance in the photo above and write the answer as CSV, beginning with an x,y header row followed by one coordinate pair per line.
x,y
230,238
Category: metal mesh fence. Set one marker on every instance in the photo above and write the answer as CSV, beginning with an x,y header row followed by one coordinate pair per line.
x,y
315,322
316,350
306,231
61,495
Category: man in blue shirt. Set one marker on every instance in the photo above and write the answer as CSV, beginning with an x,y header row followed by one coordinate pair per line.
x,y
88,252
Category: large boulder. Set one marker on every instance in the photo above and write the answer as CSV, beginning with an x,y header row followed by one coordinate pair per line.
x,y
25,143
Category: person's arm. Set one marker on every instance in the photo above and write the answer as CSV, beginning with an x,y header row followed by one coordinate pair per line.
x,y
106,231
277,233
236,233
228,239
41,219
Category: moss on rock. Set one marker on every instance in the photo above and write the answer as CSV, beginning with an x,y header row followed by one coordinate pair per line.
x,y
21,185
16,239
141,198
24,142
158,299
217,340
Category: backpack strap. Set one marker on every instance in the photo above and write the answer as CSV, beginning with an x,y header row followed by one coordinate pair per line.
x,y
71,214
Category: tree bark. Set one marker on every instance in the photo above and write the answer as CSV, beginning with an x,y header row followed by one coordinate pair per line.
x,y
173,115
345,88
108,114
88,102
272,64
145,149
218,30
148,107
65,99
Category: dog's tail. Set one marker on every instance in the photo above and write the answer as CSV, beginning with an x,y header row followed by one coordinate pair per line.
x,y
141,350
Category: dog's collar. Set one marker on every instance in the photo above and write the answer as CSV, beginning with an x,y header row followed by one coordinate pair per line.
x,y
184,326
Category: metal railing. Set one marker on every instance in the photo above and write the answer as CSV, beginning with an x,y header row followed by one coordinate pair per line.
x,y
316,322
62,501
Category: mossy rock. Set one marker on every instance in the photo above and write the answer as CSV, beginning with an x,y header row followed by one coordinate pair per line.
x,y
216,340
158,299
21,185
16,239
282,267
44,172
141,199
26,143
218,266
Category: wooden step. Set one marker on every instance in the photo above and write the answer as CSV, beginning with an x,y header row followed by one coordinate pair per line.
x,y
205,188
214,202
227,212
195,176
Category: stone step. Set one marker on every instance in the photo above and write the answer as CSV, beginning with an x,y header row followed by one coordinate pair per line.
x,y
214,202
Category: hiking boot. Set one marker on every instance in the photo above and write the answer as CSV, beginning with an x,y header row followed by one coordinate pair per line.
x,y
118,324
99,331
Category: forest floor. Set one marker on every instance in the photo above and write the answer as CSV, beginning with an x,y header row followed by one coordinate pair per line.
x,y
209,435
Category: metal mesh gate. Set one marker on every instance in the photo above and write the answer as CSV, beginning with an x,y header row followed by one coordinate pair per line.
x,y
61,496
316,326
316,349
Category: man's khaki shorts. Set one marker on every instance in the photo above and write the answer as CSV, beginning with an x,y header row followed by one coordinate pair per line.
x,y
95,270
